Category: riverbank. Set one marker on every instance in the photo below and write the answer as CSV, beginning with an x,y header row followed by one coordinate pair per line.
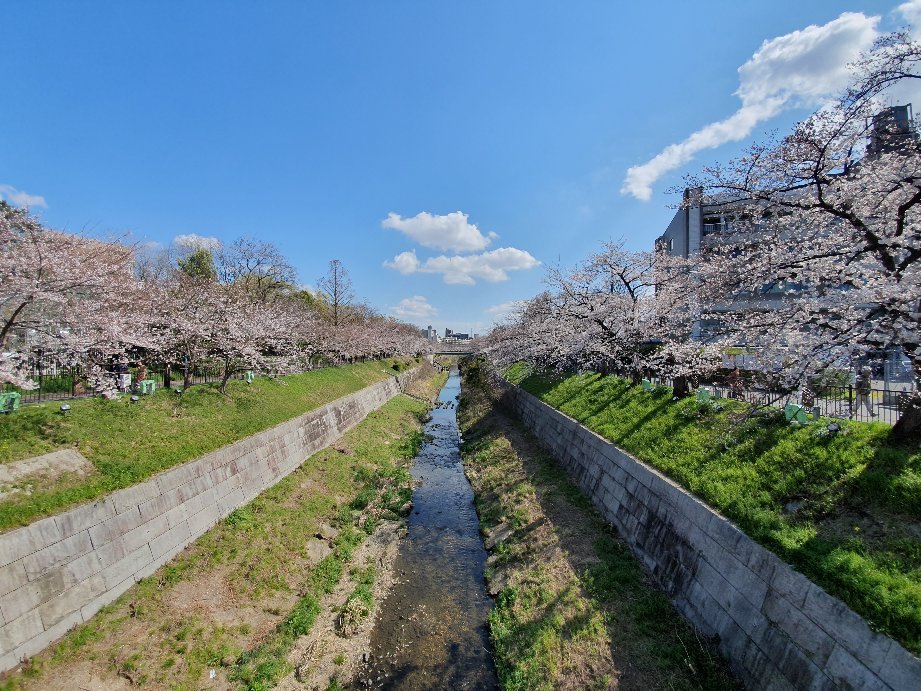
x,y
573,608
236,602
842,507
127,443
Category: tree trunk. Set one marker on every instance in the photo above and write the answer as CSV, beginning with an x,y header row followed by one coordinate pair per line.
x,y
681,387
908,428
225,376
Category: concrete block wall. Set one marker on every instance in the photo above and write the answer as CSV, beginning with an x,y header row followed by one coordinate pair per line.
x,y
777,628
59,571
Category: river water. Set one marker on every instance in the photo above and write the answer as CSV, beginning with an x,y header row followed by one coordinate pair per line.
x,y
431,631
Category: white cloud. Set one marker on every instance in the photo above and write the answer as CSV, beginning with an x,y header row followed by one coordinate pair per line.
x,y
801,68
194,242
911,13
416,307
451,232
492,266
404,262
501,311
20,198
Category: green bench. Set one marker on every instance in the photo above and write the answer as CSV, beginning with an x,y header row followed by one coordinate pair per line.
x,y
9,401
148,386
793,412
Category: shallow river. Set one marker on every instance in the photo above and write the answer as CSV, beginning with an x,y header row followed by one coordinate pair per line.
x,y
431,631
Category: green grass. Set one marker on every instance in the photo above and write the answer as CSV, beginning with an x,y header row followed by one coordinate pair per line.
x,y
128,443
258,558
261,667
855,531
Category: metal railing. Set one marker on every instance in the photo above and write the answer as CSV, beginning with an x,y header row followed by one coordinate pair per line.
x,y
845,402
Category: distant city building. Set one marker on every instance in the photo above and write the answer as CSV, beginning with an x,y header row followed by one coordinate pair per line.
x,y
431,335
457,336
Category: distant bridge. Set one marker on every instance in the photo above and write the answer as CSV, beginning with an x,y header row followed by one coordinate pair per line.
x,y
453,349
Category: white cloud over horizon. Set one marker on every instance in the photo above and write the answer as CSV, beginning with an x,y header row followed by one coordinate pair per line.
x,y
415,307
192,241
20,198
450,232
503,310
492,266
799,69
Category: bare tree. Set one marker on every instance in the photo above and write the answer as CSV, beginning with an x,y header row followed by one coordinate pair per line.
x,y
257,267
336,287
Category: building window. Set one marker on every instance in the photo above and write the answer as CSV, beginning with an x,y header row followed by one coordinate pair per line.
x,y
713,224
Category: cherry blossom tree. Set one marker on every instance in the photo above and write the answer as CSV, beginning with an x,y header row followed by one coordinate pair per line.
x,y
820,266
62,297
83,302
623,312
253,335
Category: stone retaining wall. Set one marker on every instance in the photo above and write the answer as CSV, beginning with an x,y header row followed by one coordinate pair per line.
x,y
777,628
59,571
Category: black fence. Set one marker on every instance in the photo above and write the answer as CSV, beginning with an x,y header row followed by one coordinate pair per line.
x,y
56,383
845,402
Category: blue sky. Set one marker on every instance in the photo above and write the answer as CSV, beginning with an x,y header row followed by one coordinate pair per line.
x,y
496,137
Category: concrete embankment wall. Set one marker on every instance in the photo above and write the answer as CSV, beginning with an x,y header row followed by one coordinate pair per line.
x,y
777,628
59,571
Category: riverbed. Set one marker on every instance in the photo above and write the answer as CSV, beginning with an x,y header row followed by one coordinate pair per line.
x,y
431,630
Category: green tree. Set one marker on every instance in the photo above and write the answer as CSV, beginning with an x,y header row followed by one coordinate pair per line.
x,y
198,265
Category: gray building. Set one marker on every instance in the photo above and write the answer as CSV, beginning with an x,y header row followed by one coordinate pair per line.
x,y
457,336
891,129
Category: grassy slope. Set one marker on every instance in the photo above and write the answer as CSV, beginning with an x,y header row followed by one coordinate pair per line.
x,y
857,520
129,443
574,609
252,571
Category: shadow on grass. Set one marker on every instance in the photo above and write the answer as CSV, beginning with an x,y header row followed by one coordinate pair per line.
x,y
651,647
854,523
